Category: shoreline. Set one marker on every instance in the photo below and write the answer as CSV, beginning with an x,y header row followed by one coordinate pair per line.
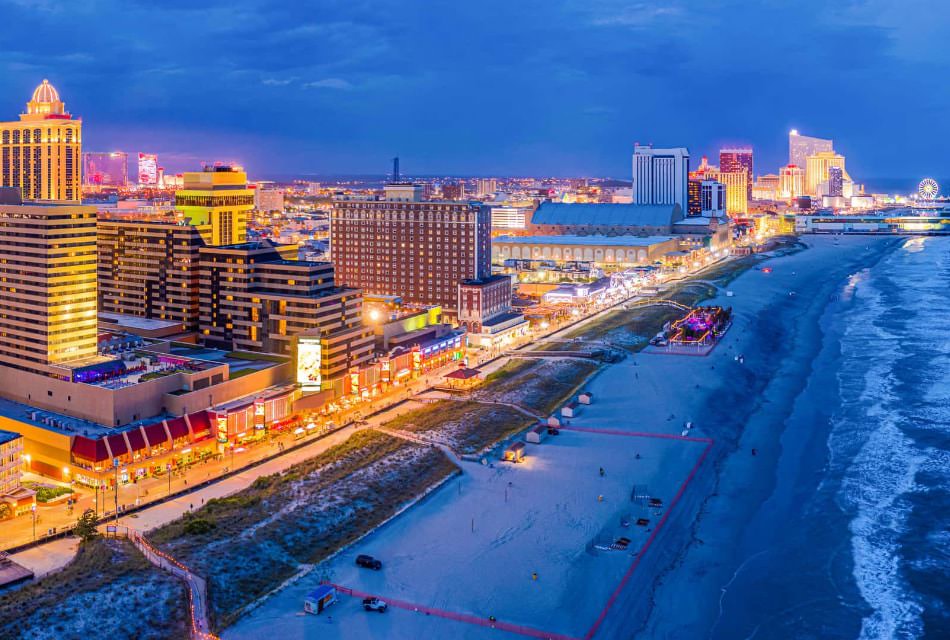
x,y
782,368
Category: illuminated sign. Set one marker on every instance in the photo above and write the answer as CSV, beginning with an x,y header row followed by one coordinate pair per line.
x,y
355,382
308,363
258,414
148,169
222,427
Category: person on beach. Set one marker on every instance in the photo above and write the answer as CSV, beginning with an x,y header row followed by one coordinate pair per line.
x,y
601,472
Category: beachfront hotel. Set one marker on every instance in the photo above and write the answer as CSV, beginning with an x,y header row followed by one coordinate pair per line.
x,y
47,285
40,154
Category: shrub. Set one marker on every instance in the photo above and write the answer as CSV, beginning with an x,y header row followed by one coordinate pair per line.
x,y
199,526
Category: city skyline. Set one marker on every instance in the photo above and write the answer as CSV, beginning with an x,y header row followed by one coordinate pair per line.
x,y
337,94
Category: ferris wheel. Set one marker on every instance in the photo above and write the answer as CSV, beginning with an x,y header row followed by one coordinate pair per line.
x,y
928,189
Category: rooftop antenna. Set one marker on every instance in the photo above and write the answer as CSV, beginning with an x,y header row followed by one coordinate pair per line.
x,y
396,169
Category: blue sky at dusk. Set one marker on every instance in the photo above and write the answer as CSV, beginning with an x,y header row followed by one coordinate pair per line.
x,y
519,87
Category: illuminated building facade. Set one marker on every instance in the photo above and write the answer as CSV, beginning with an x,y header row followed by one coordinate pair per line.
x,y
41,153
254,299
660,175
148,169
453,191
791,182
505,218
217,199
737,191
712,198
105,169
417,250
766,187
11,449
486,186
835,182
148,268
693,197
816,171
800,147
483,300
738,160
47,286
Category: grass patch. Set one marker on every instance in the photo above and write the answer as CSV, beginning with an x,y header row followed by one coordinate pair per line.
x,y
511,368
240,372
247,544
45,493
109,591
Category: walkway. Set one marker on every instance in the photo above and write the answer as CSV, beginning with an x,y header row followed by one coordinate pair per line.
x,y
197,588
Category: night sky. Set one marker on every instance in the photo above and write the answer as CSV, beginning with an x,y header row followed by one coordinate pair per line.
x,y
506,87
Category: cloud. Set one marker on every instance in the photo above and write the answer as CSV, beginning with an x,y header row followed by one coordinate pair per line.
x,y
278,82
329,83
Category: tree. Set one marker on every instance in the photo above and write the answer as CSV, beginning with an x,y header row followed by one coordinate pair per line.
x,y
86,525
5,511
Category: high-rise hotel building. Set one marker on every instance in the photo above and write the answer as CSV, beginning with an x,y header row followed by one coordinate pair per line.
x,y
660,176
47,285
419,251
735,161
800,147
218,200
41,154
148,267
254,299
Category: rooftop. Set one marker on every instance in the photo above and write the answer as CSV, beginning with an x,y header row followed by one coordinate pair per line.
x,y
7,436
137,322
653,215
52,421
595,240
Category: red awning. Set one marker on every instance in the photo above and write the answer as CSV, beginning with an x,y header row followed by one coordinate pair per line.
x,y
117,445
89,450
136,441
177,427
155,433
200,424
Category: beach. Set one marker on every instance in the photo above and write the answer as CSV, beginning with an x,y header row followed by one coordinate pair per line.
x,y
527,555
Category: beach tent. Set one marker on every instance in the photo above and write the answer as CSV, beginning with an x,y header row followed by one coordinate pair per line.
x,y
515,453
569,410
536,434
585,397
320,598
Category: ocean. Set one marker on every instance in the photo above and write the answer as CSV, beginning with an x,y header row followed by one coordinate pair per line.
x,y
854,540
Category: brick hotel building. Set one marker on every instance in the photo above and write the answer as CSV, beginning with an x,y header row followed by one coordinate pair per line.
x,y
419,251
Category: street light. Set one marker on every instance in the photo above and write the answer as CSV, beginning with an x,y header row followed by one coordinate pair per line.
x,y
33,509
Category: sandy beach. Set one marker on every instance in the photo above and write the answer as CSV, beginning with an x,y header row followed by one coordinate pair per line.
x,y
471,550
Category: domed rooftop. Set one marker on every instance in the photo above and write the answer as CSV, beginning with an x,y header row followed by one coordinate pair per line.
x,y
45,101
46,93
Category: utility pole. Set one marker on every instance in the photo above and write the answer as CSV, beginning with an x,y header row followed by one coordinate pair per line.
x,y
115,464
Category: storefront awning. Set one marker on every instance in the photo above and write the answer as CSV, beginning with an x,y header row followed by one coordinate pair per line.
x,y
200,424
156,434
117,445
90,450
178,428
136,441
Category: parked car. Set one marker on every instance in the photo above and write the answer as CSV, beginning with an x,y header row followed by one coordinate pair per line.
x,y
368,562
374,604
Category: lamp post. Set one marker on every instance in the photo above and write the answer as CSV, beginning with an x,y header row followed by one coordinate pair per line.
x,y
115,464
33,509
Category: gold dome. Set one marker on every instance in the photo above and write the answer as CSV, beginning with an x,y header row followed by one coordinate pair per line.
x,y
45,102
45,93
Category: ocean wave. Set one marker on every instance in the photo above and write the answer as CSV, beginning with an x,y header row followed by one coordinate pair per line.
x,y
877,461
